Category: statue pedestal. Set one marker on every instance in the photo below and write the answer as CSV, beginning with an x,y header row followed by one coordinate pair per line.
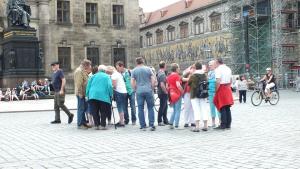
x,y
21,59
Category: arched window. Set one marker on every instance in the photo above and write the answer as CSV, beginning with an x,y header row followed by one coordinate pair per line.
x,y
171,33
159,36
215,21
149,39
184,30
199,25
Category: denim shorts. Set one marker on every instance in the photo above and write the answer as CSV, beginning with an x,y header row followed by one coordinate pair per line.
x,y
120,100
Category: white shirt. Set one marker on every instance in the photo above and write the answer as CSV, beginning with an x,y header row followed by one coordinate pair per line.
x,y
242,85
223,73
121,87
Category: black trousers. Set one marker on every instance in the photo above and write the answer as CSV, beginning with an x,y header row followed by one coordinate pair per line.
x,y
225,117
163,108
99,110
242,95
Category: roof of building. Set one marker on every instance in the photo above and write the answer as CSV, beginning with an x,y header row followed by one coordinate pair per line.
x,y
178,8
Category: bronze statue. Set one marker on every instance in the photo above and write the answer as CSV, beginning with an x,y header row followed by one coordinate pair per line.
x,y
18,13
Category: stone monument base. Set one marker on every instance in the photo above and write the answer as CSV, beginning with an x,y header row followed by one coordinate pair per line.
x,y
21,58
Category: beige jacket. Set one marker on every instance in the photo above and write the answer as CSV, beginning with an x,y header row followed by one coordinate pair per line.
x,y
80,80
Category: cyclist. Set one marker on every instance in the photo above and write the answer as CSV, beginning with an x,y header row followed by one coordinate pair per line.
x,y
269,80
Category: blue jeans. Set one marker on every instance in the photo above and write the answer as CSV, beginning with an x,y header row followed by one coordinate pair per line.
x,y
175,117
120,100
163,108
81,109
131,99
213,110
141,98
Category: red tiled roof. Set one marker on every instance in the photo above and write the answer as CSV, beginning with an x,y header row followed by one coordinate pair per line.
x,y
180,7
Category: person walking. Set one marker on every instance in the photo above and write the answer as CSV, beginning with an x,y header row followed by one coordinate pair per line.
x,y
130,97
223,98
198,100
162,92
242,88
143,83
175,92
58,83
99,92
120,92
212,91
80,80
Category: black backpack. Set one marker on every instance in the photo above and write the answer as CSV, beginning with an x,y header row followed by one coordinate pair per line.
x,y
202,90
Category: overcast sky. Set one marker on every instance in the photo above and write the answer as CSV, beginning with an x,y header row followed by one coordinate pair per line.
x,y
152,5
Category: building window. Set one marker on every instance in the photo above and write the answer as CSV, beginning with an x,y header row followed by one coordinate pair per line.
x,y
171,33
215,21
118,15
64,58
63,11
91,13
149,39
141,42
92,54
119,55
199,25
184,30
298,16
159,36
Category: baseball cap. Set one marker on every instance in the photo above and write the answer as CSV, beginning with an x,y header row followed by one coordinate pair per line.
x,y
54,63
268,68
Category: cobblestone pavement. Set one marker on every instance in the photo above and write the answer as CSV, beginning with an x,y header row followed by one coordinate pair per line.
x,y
261,137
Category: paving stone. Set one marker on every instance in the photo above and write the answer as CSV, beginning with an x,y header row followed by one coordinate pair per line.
x,y
261,137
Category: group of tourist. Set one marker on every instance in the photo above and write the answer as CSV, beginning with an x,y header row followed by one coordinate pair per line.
x,y
35,89
206,93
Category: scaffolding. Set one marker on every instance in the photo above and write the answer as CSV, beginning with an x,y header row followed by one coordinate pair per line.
x,y
233,22
284,39
264,34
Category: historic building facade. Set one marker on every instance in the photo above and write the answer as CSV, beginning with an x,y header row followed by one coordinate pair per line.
x,y
103,31
184,32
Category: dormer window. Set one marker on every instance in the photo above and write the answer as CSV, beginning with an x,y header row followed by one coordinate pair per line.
x,y
163,13
188,3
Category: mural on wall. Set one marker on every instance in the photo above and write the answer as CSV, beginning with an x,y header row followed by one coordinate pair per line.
x,y
186,53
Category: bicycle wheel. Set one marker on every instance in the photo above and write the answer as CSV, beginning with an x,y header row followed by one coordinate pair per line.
x,y
274,99
156,104
256,98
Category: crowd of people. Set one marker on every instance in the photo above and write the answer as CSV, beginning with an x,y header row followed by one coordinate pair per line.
x,y
206,91
23,91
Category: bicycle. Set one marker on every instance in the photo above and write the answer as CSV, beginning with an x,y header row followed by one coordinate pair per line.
x,y
259,95
156,103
